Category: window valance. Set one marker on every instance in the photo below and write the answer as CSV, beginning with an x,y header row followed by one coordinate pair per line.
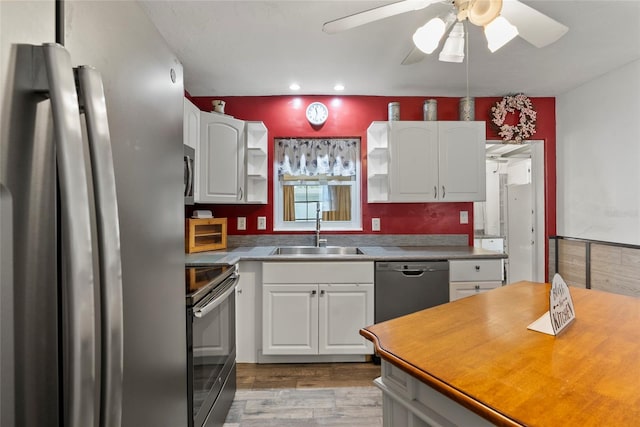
x,y
312,157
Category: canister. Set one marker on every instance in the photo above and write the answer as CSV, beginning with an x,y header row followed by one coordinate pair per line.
x,y
467,109
394,111
430,110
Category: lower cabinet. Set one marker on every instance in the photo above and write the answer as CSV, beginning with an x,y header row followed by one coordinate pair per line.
x,y
472,276
316,308
407,402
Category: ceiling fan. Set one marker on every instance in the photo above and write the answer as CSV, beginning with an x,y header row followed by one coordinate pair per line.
x,y
502,20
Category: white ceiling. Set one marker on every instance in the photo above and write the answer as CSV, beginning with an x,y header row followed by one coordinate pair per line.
x,y
259,47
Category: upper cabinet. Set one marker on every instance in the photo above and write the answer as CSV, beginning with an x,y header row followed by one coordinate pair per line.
x,y
221,159
231,158
422,161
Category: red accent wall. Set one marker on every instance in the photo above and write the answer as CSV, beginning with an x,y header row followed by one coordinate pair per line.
x,y
350,116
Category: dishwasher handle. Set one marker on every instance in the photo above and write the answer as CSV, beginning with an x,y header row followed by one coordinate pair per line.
x,y
414,271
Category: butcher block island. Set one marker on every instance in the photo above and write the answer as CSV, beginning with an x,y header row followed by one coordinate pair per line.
x,y
474,362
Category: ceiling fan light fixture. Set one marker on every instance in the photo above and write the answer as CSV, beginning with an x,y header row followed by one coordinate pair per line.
x,y
427,38
482,12
453,50
499,32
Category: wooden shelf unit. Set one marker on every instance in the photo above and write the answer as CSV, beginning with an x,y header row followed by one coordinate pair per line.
x,y
205,234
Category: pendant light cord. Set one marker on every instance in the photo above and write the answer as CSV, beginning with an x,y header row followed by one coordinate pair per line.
x,y
466,46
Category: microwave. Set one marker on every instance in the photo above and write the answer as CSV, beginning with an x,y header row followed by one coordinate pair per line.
x,y
189,174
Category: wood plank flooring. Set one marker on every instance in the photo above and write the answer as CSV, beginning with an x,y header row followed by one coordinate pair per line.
x,y
306,375
306,395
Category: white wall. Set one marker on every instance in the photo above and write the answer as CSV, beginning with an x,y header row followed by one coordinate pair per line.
x,y
598,158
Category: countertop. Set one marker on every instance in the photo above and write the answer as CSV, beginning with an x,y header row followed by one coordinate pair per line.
x,y
479,352
370,253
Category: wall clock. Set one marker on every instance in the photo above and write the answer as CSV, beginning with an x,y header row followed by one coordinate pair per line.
x,y
317,113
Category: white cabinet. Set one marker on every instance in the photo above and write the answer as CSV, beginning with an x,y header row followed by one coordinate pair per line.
x,y
343,309
421,161
311,308
290,319
232,161
221,159
472,276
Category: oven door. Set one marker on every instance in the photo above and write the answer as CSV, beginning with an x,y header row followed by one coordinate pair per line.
x,y
211,353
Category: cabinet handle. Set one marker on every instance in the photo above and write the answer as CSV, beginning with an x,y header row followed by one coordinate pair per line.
x,y
477,268
241,193
313,292
322,292
443,192
435,192
477,287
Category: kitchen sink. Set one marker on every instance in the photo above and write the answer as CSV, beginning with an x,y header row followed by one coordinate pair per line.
x,y
313,250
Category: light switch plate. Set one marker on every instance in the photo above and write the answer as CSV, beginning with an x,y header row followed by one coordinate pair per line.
x,y
242,223
375,224
464,217
262,223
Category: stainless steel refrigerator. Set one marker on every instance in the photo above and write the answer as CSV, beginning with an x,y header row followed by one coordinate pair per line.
x,y
72,352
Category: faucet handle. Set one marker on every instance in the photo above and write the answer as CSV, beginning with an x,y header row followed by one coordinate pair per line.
x,y
322,243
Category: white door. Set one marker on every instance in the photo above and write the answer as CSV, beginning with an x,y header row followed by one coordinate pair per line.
x,y
414,161
344,309
221,159
290,319
520,235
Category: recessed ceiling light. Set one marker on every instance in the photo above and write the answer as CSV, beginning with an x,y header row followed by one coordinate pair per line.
x,y
338,87
294,86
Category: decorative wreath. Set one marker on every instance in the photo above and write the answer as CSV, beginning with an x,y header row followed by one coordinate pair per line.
x,y
526,125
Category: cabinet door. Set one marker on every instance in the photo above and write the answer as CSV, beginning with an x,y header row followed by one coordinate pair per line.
x,y
343,310
462,161
290,319
414,161
221,159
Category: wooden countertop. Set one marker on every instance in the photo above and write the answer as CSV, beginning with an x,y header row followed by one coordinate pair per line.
x,y
479,352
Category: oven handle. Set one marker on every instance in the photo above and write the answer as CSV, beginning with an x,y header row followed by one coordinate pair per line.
x,y
203,308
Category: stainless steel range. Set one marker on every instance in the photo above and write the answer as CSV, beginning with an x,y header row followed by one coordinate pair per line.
x,y
211,343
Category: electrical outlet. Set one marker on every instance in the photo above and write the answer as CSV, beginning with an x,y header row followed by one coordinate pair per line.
x,y
262,223
464,217
375,224
242,223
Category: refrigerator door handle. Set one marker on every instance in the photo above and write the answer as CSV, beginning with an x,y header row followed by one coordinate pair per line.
x,y
77,269
91,93
189,190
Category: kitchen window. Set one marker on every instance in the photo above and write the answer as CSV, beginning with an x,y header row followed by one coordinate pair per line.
x,y
317,173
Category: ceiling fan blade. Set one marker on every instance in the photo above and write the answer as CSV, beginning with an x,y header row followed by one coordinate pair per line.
x,y
375,14
415,56
533,26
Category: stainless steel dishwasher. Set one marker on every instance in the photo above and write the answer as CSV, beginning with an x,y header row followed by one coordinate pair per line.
x,y
403,287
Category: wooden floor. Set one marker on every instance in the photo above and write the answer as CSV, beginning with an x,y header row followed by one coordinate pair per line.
x,y
306,375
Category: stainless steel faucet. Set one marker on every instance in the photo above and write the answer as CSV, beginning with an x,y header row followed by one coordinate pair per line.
x,y
319,242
